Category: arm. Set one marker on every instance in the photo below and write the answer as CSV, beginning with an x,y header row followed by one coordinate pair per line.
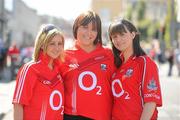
x,y
148,110
18,111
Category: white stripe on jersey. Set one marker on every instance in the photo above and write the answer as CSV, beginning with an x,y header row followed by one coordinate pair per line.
x,y
43,110
74,109
142,82
22,79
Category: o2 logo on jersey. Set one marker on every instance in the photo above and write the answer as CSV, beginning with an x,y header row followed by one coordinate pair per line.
x,y
121,92
92,86
51,99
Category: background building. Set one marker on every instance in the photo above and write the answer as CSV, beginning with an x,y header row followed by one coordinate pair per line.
x,y
2,19
107,9
23,24
19,24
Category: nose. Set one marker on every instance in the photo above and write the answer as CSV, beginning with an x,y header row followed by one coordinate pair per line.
x,y
91,32
57,46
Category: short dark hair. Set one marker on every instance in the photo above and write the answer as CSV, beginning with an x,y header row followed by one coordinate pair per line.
x,y
84,19
121,26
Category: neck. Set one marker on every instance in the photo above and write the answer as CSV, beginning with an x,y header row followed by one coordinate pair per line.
x,y
88,48
50,64
127,54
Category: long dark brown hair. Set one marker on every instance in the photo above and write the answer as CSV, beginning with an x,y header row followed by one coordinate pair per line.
x,y
84,19
121,26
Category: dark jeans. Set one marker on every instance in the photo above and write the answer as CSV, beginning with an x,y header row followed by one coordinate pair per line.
x,y
75,117
170,69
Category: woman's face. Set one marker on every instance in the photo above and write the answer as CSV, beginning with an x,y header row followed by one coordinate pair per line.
x,y
55,47
86,35
124,41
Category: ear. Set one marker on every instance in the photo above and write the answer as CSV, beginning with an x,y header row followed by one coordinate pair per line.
x,y
133,34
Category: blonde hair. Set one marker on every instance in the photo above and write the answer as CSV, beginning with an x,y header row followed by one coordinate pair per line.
x,y
44,36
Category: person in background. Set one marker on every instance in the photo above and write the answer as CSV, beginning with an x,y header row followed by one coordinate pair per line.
x,y
177,59
3,55
39,91
13,60
170,59
88,75
135,84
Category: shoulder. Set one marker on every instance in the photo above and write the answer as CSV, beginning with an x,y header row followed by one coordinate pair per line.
x,y
107,50
70,51
30,66
147,61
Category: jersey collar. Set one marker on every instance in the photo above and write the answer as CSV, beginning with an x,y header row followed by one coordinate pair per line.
x,y
130,59
45,58
98,46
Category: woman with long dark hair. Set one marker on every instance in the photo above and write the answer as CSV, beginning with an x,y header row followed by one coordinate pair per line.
x,y
135,84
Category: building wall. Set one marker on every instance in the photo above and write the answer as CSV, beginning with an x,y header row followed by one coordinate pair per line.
x,y
107,9
2,19
23,25
156,9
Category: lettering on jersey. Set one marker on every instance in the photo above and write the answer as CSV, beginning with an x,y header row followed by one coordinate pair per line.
x,y
80,80
51,82
51,100
152,85
99,58
129,72
152,95
117,81
92,86
46,82
103,66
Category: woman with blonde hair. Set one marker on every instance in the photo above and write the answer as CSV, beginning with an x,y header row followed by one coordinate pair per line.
x,y
39,91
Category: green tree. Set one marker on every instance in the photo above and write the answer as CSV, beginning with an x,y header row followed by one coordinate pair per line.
x,y
168,22
142,22
129,13
141,9
167,26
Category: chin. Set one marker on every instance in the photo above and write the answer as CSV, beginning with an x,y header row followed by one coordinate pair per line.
x,y
53,57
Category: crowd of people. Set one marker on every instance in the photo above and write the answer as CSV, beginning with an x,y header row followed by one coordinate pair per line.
x,y
171,56
12,58
88,81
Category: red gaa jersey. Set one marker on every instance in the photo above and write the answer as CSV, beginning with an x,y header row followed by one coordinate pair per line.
x,y
87,83
135,83
40,91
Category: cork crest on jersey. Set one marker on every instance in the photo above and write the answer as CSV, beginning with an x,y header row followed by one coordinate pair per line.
x,y
129,72
152,86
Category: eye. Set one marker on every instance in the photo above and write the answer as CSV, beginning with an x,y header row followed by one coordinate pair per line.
x,y
95,30
85,27
114,36
122,34
60,43
51,43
